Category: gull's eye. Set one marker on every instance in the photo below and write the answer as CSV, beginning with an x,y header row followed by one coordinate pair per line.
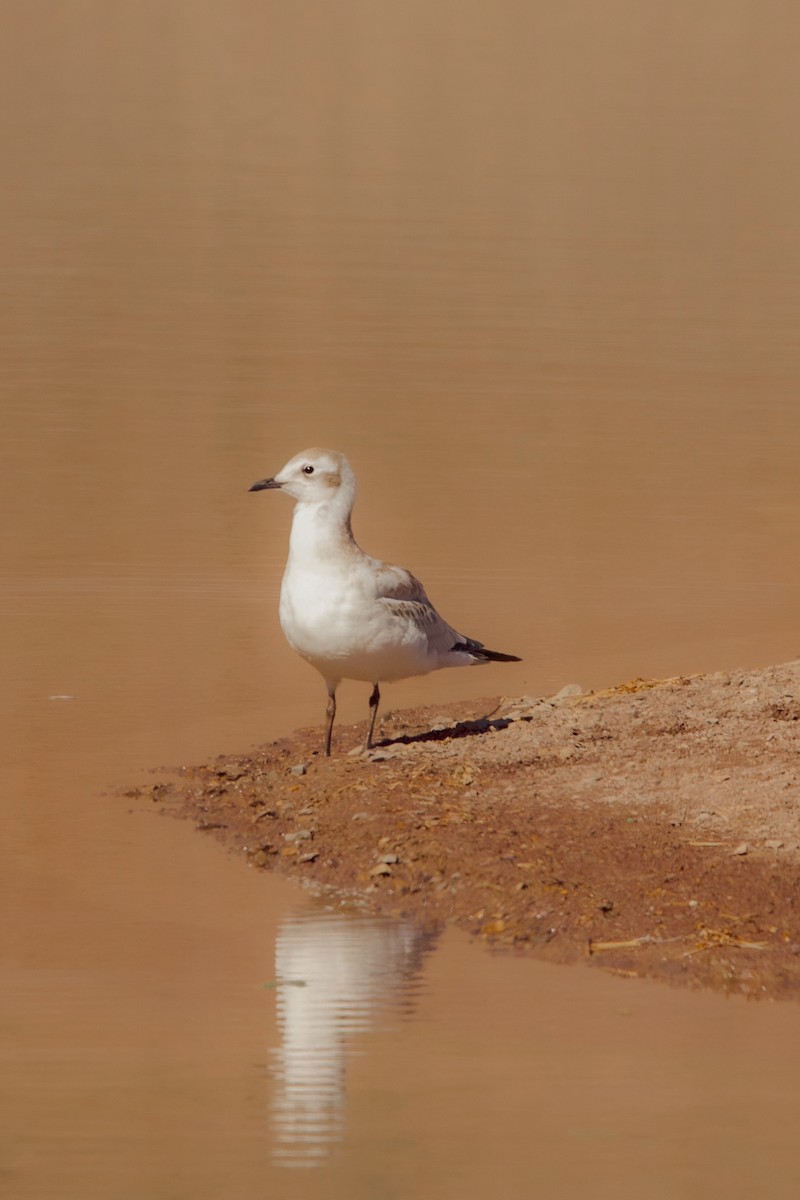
x,y
308,469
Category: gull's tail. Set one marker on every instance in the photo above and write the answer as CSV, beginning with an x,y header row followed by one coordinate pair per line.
x,y
480,654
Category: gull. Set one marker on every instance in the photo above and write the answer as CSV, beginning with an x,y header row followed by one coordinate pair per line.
x,y
350,615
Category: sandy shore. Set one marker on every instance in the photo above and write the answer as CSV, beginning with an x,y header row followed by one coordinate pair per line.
x,y
653,829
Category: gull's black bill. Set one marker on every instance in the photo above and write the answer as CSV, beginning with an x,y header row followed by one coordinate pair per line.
x,y
263,483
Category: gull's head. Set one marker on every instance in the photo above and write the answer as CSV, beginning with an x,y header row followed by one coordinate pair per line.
x,y
314,477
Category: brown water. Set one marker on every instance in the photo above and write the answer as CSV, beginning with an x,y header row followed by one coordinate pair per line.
x,y
534,268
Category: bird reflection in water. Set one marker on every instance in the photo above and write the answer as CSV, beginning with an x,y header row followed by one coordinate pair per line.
x,y
335,975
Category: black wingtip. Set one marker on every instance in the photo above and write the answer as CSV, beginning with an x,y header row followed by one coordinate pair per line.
x,y
481,654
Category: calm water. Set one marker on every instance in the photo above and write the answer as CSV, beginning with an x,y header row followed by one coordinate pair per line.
x,y
534,268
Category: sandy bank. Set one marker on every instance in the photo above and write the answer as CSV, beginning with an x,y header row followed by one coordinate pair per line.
x,y
653,829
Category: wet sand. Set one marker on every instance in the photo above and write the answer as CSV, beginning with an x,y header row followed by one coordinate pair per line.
x,y
651,829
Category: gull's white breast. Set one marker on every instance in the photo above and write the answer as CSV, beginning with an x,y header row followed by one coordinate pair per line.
x,y
333,617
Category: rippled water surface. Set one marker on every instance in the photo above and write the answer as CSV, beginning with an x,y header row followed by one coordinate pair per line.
x,y
533,267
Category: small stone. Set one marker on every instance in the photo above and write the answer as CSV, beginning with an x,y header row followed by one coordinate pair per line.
x,y
230,773
298,835
305,858
390,858
298,769
60,697
569,689
693,903
381,869
773,843
361,816
520,703
741,849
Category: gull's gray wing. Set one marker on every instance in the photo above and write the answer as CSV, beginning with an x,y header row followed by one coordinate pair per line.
x,y
405,597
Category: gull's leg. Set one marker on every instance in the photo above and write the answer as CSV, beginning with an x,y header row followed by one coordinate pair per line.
x,y
374,701
330,712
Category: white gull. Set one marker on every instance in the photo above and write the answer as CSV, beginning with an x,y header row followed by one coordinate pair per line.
x,y
349,615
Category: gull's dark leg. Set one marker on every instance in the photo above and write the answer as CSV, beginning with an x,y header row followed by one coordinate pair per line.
x,y
374,701
330,713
